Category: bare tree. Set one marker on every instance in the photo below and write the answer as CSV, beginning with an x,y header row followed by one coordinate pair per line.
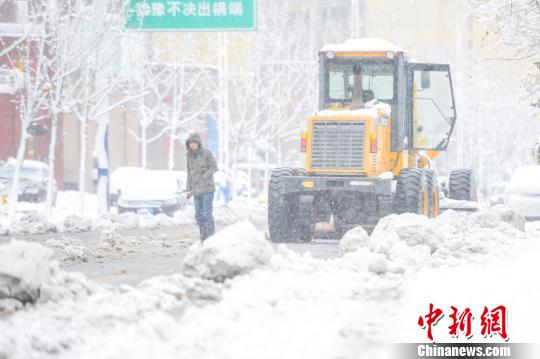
x,y
517,22
31,55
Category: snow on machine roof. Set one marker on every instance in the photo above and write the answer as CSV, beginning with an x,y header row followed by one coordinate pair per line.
x,y
366,44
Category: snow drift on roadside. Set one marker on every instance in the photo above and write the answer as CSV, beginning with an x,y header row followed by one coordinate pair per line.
x,y
235,250
451,238
243,298
27,276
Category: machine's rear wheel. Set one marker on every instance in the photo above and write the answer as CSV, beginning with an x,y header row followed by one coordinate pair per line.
x,y
412,192
433,192
462,185
280,223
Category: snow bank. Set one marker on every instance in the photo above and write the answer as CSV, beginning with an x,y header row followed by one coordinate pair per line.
x,y
74,223
239,297
411,240
510,216
27,276
232,251
64,220
23,269
32,223
354,239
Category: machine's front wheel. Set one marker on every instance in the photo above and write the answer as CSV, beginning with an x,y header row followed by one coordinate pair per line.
x,y
412,192
462,185
279,207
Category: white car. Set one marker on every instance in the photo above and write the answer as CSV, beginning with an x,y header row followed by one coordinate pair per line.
x,y
120,178
523,192
153,190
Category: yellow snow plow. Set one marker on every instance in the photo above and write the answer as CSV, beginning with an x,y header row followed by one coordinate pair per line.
x,y
369,150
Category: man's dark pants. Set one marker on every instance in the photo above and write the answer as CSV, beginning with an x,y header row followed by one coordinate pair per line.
x,y
203,214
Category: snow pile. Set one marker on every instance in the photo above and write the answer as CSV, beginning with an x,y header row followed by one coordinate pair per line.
x,y
233,251
119,221
510,216
27,276
238,210
144,220
239,297
451,238
74,224
149,221
354,239
32,223
67,249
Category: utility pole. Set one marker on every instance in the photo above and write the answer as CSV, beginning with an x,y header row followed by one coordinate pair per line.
x,y
223,64
101,148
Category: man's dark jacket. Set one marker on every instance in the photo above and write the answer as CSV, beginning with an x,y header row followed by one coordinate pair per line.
x,y
201,167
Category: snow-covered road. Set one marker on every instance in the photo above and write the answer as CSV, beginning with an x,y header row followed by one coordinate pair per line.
x,y
237,296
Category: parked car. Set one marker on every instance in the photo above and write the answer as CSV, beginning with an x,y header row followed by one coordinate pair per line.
x,y
33,184
153,190
120,178
523,192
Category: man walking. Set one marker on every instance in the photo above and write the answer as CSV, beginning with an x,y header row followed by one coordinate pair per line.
x,y
201,167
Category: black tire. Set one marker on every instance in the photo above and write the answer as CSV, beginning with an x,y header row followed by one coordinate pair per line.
x,y
462,185
410,191
433,192
280,224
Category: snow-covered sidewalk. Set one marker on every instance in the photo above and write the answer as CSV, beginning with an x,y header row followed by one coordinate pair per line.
x,y
240,297
30,219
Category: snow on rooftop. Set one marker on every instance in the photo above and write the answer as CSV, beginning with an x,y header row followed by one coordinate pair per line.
x,y
366,44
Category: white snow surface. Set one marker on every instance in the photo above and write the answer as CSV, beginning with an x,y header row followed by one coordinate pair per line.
x,y
366,44
280,304
372,110
27,275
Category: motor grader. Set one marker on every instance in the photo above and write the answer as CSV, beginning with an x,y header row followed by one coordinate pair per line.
x,y
369,150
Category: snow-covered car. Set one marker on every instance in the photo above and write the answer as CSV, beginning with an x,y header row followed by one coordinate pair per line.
x,y
523,192
33,183
121,177
153,190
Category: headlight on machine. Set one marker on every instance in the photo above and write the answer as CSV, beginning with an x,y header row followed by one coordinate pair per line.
x,y
307,184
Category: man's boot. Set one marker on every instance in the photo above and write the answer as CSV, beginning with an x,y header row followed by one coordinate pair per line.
x,y
202,233
211,229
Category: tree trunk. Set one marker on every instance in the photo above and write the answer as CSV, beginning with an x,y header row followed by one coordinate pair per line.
x,y
82,167
52,162
14,192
